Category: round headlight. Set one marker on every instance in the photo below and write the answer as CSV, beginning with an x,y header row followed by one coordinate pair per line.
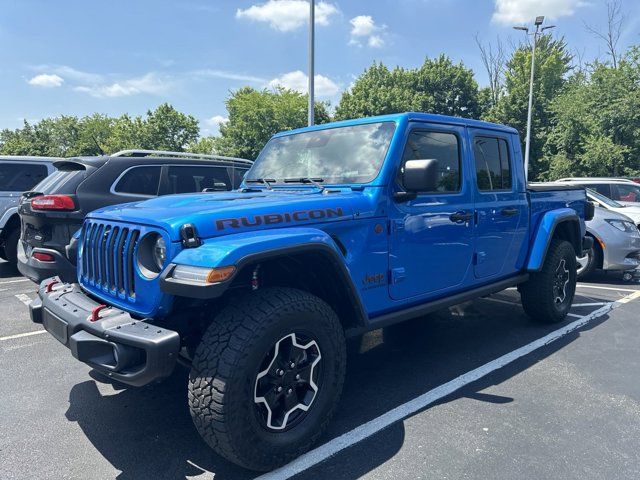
x,y
152,254
160,252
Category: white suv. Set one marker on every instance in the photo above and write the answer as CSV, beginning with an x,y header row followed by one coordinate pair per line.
x,y
622,190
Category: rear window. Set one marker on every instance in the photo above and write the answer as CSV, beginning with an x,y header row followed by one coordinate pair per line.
x,y
188,179
139,181
20,177
61,181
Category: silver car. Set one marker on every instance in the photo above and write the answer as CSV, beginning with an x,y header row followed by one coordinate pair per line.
x,y
616,243
17,175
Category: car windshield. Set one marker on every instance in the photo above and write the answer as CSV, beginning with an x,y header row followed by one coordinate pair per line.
x,y
602,199
334,156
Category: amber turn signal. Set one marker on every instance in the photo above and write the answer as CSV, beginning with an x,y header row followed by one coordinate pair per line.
x,y
221,274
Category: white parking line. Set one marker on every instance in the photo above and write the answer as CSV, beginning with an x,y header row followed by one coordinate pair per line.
x,y
346,440
20,335
594,304
15,281
584,285
26,299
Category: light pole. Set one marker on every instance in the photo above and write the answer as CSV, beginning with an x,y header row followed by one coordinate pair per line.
x,y
538,23
311,57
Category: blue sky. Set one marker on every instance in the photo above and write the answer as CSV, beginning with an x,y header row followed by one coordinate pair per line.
x,y
77,57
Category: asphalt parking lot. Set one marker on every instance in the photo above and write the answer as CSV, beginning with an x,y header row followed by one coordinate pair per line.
x,y
477,391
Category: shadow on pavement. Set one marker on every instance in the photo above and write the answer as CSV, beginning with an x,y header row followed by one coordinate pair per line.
x,y
8,270
148,433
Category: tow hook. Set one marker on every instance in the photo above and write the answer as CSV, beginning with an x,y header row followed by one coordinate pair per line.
x,y
95,313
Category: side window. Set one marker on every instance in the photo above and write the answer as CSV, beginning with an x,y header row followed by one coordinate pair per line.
x,y
493,168
193,178
625,193
20,177
602,188
444,148
139,181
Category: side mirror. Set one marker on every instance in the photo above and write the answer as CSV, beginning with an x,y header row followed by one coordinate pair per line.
x,y
217,187
420,175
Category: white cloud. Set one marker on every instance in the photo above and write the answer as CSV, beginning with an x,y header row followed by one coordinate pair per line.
x,y
151,83
365,30
46,80
207,72
375,41
298,81
70,73
522,11
216,120
287,15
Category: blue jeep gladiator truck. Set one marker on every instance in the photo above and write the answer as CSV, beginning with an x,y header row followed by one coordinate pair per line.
x,y
337,229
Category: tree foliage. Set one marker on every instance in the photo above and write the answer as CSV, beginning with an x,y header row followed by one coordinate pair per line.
x,y
438,86
553,62
255,115
595,125
162,129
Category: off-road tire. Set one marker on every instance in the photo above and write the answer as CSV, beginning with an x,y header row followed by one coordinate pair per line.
x,y
11,246
226,363
538,299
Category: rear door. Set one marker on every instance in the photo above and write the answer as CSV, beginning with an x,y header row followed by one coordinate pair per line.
x,y
501,205
432,235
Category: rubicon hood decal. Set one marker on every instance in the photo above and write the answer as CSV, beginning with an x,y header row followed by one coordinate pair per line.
x,y
276,218
215,214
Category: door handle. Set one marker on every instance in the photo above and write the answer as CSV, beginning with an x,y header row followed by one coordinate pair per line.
x,y
460,217
509,211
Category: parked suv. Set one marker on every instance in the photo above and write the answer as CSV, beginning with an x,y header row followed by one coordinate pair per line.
x,y
17,174
622,190
338,229
55,209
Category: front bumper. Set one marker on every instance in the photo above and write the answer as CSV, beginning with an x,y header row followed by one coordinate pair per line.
x,y
621,252
131,351
37,271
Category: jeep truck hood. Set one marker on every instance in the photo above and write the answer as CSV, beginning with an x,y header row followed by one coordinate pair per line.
x,y
224,213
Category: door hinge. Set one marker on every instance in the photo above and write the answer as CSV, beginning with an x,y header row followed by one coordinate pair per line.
x,y
398,275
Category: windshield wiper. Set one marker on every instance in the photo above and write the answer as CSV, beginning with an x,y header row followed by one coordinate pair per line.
x,y
314,181
265,181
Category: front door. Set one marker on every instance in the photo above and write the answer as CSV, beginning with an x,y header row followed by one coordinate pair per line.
x,y
432,235
501,206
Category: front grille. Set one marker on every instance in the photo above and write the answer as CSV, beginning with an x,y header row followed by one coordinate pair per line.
x,y
108,256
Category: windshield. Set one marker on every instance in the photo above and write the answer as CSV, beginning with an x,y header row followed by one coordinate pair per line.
x,y
602,199
335,155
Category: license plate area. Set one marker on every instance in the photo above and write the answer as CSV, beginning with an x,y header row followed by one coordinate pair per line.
x,y
55,326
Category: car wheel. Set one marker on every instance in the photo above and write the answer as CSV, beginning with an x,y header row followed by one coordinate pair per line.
x,y
586,264
267,377
11,246
548,294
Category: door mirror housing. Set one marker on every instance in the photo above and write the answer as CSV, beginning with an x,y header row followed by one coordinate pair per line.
x,y
420,175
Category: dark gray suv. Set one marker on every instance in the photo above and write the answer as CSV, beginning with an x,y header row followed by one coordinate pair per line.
x,y
55,209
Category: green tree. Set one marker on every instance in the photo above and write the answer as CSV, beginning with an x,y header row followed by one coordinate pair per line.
x,y
207,145
438,86
162,129
553,62
165,128
255,115
595,126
